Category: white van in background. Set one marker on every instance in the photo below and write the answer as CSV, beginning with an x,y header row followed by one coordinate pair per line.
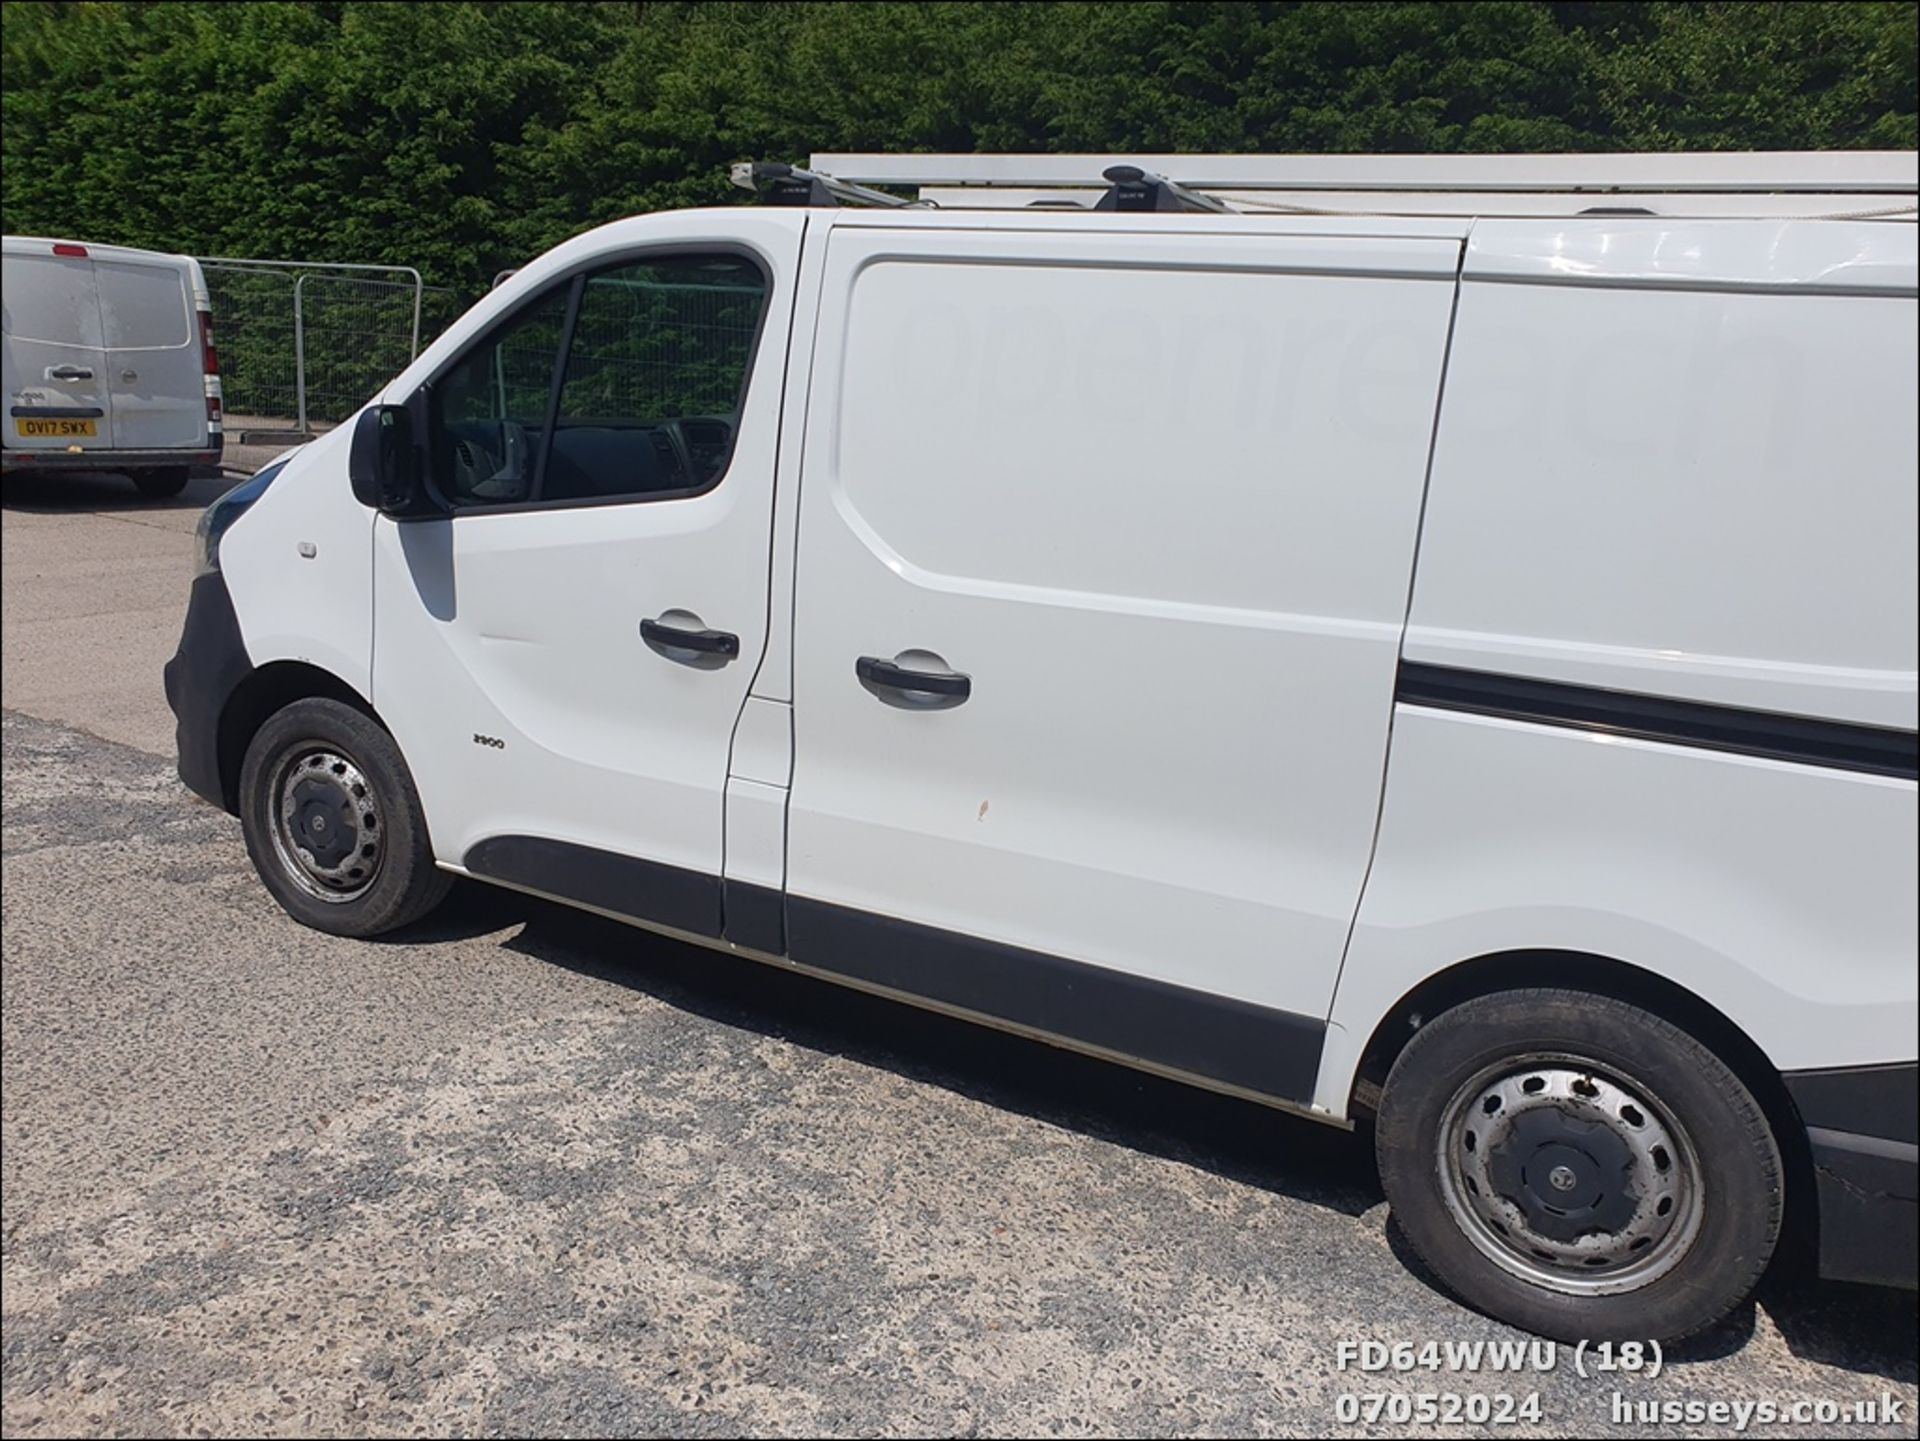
x,y
1448,670
109,363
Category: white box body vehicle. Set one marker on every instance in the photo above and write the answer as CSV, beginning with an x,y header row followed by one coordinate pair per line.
x,y
1233,645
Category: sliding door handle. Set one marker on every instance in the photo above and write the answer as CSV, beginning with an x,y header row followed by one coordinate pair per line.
x,y
688,645
913,687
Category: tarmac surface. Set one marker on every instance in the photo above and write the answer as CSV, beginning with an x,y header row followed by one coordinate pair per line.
x,y
522,1170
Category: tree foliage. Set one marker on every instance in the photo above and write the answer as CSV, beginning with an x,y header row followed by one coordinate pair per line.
x,y
465,137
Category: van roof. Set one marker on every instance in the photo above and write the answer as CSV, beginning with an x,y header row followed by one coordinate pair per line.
x,y
1444,227
1802,256
43,245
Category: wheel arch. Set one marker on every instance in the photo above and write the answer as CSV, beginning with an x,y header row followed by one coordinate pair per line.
x,y
267,689
1621,980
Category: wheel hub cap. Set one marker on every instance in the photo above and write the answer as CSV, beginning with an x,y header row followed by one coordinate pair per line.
x,y
1568,1177
327,829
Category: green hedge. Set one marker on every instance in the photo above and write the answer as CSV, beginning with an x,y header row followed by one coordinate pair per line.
x,y
462,138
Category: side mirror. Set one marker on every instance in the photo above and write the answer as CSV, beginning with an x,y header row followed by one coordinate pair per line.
x,y
384,464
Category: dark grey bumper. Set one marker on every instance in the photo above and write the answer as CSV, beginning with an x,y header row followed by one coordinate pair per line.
x,y
200,679
1861,1128
113,460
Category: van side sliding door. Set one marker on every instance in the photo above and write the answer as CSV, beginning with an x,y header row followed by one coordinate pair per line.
x,y
1104,553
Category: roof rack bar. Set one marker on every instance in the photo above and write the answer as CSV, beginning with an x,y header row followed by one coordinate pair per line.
x,y
1895,172
791,185
1724,205
1134,189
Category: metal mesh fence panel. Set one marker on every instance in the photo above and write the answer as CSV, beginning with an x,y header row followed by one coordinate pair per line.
x,y
358,335
253,330
286,331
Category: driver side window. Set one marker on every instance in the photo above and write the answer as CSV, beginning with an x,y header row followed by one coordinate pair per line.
x,y
490,410
655,356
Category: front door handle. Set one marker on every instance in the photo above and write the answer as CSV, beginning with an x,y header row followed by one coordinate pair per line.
x,y
913,689
69,372
688,646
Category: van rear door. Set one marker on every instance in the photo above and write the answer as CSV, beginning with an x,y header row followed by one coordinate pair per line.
x,y
154,362
56,361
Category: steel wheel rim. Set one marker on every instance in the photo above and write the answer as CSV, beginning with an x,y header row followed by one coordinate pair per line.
x,y
326,823
1598,1137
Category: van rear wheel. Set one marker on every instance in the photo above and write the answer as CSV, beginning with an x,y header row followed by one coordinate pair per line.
x,y
1579,1166
162,482
333,822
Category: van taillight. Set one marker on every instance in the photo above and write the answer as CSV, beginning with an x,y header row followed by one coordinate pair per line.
x,y
78,252
210,365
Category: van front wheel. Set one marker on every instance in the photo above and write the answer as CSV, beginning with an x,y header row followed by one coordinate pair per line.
x,y
1579,1167
162,483
333,822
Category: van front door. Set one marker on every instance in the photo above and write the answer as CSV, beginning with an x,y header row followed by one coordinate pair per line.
x,y
564,657
1105,543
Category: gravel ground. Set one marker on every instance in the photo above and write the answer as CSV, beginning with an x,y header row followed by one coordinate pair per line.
x,y
520,1170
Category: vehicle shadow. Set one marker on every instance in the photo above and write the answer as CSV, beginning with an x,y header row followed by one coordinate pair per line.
x,y
1236,1139
1861,1329
1867,1329
64,492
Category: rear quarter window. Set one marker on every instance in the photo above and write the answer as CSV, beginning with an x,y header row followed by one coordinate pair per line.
x,y
143,307
50,300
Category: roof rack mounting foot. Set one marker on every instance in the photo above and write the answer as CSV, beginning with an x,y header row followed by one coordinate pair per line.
x,y
1135,189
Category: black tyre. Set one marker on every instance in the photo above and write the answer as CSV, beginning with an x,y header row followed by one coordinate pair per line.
x,y
161,484
333,822
1579,1167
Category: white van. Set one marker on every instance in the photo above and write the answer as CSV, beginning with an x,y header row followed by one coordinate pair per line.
x,y
109,363
1444,671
